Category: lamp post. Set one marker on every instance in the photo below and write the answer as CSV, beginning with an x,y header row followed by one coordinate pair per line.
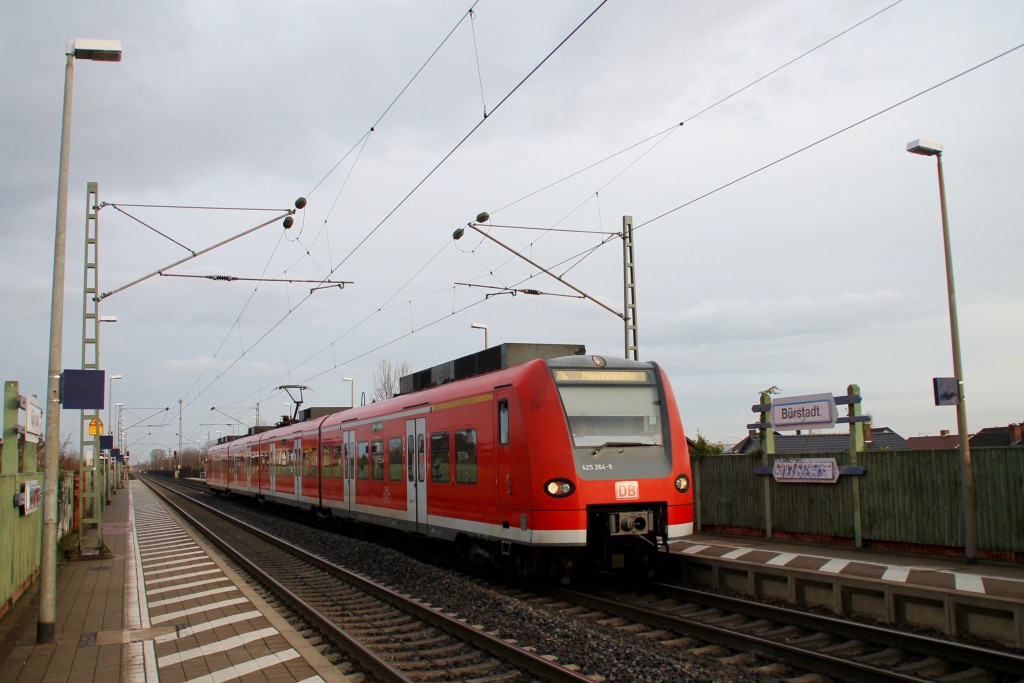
x,y
352,382
481,326
929,148
46,630
120,426
110,404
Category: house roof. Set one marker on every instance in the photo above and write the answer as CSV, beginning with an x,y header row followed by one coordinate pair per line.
x,y
883,439
934,443
986,438
997,436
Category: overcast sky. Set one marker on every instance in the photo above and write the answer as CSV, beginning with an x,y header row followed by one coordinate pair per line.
x,y
821,270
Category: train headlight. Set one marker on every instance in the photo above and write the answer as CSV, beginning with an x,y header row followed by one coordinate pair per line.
x,y
559,488
682,483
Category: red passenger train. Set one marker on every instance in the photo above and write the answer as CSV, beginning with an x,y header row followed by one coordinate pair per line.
x,y
538,466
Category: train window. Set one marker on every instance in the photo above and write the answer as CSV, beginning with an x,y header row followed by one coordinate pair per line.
x,y
350,454
377,455
600,414
325,462
421,456
465,456
395,459
336,464
411,452
311,465
440,458
503,422
364,460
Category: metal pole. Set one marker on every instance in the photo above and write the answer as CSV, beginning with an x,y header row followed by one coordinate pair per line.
x,y
767,450
632,344
970,510
46,629
110,406
856,446
180,401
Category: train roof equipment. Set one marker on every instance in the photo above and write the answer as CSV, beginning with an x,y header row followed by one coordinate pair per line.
x,y
491,359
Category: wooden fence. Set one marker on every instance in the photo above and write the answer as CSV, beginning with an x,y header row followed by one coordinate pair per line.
x,y
906,498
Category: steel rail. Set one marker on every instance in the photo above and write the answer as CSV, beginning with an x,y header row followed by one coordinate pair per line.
x,y
965,654
535,665
806,659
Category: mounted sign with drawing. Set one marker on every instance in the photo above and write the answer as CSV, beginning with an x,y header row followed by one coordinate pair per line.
x,y
30,498
813,411
947,391
806,471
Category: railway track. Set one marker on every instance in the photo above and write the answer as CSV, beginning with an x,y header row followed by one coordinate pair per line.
x,y
393,637
715,637
741,629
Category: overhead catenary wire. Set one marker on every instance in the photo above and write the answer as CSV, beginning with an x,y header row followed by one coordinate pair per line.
x,y
657,137
829,136
399,95
788,156
660,133
476,53
414,189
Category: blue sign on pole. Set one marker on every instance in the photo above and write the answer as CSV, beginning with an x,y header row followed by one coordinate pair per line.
x,y
82,389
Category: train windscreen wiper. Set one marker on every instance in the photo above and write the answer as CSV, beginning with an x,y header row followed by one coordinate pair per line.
x,y
620,444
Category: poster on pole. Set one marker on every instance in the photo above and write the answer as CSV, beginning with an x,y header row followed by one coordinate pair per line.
x,y
946,390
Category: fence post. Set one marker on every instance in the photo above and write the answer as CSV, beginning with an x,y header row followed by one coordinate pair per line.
x,y
767,450
695,466
856,445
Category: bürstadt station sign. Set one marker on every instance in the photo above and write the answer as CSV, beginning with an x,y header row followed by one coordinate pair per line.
x,y
813,411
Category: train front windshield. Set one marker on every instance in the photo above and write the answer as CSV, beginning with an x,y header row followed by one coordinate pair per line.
x,y
616,420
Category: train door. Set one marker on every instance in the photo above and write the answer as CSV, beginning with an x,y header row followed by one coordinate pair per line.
x,y
503,484
349,439
249,460
299,464
273,467
416,461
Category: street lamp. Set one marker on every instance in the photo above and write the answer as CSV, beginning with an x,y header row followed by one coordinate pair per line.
x,y
934,149
352,401
110,402
481,326
120,426
46,631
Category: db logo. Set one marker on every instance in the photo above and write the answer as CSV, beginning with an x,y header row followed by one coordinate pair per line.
x,y
627,490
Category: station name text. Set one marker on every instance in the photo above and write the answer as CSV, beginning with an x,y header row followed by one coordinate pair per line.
x,y
801,413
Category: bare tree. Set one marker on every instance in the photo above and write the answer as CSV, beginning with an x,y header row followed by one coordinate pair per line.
x,y
386,378
67,455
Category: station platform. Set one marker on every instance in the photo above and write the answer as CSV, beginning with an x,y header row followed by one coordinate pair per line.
x,y
161,607
994,579
983,600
